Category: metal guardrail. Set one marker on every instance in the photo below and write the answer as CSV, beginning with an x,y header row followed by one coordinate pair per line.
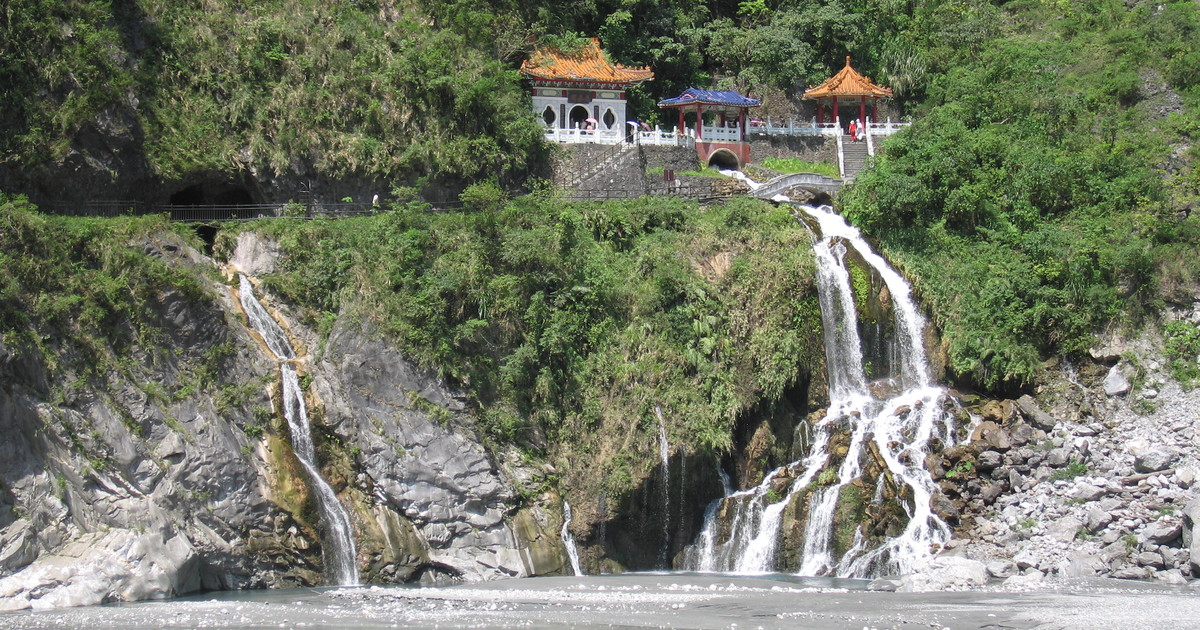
x,y
694,190
222,213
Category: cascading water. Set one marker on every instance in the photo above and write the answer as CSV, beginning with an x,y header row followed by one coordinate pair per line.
x,y
568,540
664,454
338,550
898,427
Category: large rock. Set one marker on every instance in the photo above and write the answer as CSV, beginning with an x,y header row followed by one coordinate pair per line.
x,y
1065,529
120,565
1080,563
420,454
1162,532
1117,382
254,255
1191,521
1034,414
1154,459
946,573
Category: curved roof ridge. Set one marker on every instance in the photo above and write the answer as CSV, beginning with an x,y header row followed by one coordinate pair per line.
x,y
589,64
848,82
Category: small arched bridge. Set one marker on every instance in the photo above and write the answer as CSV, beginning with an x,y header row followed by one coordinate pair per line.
x,y
811,181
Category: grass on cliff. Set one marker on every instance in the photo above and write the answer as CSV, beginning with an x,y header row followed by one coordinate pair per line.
x,y
570,319
281,86
79,290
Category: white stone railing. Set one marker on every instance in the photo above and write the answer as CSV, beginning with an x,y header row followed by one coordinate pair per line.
x,y
790,127
885,128
660,137
585,136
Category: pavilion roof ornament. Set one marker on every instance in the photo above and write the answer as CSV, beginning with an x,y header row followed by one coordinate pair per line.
x,y
848,82
587,65
720,98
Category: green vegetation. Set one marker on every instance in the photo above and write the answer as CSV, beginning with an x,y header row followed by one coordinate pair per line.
x,y
796,165
564,318
80,290
1028,199
1183,352
273,84
1073,469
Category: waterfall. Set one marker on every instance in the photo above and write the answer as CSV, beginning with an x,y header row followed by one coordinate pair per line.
x,y
664,454
337,552
568,540
898,427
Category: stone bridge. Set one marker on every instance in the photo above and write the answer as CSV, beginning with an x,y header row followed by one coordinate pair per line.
x,y
811,181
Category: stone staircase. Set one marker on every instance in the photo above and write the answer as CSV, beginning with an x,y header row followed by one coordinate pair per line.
x,y
854,157
611,160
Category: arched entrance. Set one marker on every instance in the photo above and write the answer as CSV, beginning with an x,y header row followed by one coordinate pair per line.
x,y
578,117
724,159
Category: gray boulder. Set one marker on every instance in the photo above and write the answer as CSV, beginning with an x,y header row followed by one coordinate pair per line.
x,y
1034,414
946,573
1163,532
120,565
1065,529
1154,459
1191,520
1117,382
1080,563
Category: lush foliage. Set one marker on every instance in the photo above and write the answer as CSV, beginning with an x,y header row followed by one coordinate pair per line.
x,y
1027,198
349,88
81,286
564,318
1183,352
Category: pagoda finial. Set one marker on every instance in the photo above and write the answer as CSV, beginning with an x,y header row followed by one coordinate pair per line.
x,y
847,61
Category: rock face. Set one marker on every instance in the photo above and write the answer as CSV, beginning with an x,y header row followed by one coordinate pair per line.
x,y
149,456
1099,482
177,475
420,461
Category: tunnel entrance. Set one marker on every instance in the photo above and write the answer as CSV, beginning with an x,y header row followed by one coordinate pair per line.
x,y
212,194
212,200
724,159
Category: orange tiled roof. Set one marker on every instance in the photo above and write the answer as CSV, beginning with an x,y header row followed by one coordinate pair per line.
x,y
587,65
848,82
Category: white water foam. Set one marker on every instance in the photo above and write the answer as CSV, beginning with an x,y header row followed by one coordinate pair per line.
x,y
338,552
900,426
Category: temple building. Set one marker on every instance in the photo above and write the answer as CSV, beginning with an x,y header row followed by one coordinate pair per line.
x,y
721,139
580,97
847,90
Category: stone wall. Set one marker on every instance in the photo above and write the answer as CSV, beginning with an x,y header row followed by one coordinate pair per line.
x,y
807,148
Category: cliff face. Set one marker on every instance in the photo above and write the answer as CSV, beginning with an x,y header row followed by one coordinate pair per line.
x,y
174,473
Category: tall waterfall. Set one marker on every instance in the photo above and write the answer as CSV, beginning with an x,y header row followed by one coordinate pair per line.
x,y
664,455
338,552
742,530
568,540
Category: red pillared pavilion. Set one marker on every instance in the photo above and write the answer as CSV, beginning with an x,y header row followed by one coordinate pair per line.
x,y
848,86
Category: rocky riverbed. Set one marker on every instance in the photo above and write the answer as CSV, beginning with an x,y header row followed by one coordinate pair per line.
x,y
1097,477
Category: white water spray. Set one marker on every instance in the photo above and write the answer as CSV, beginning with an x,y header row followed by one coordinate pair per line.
x,y
568,540
338,552
900,427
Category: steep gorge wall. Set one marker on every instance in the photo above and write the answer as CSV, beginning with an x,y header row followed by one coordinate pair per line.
x,y
175,474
